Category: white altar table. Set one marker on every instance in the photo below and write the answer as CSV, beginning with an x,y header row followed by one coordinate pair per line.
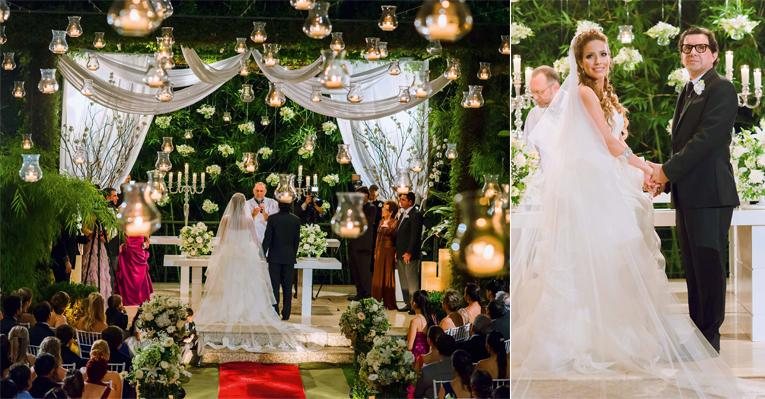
x,y
174,240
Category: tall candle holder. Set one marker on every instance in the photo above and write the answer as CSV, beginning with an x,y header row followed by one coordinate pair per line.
x,y
185,188
519,102
743,97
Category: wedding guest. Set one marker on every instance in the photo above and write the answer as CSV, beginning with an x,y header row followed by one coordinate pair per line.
x,y
440,370
408,242
26,301
500,317
473,299
22,377
280,244
41,329
416,341
545,83
8,388
58,302
45,368
112,243
100,353
95,316
119,352
476,344
74,385
19,346
11,313
261,207
5,355
481,385
310,209
360,251
133,339
433,356
455,315
373,191
496,363
462,370
65,334
133,280
64,254
384,271
501,392
95,260
97,383
52,346
115,312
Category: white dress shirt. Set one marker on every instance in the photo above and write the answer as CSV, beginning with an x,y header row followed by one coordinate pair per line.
x,y
270,206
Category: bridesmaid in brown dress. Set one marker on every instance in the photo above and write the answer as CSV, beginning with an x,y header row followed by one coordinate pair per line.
x,y
384,277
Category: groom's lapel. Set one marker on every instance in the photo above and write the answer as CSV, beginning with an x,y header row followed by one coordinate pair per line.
x,y
708,77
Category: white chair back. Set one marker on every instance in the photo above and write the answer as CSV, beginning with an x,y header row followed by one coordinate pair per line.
x,y
460,333
34,350
118,367
85,340
507,346
69,366
499,382
437,384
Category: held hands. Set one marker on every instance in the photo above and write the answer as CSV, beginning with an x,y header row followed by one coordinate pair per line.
x,y
406,257
654,179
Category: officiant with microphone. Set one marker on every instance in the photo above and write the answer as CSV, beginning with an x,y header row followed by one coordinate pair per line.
x,y
260,207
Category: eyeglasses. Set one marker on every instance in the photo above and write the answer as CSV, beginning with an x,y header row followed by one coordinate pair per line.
x,y
700,48
540,92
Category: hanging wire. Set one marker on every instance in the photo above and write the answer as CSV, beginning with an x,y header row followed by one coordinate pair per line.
x,y
679,13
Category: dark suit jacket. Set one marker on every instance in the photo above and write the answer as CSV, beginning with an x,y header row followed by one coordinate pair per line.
x,y
409,234
365,242
119,356
116,318
38,332
6,324
502,325
65,248
40,386
280,243
438,371
699,171
68,357
475,346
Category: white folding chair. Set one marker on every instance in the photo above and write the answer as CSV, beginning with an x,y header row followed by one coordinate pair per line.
x,y
34,350
85,340
118,367
437,384
507,346
69,366
499,382
463,333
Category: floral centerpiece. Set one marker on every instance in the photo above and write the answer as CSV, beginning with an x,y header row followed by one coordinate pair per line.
x,y
748,159
628,58
663,33
737,26
163,316
246,127
196,240
313,241
286,113
157,369
388,367
525,163
362,322
213,170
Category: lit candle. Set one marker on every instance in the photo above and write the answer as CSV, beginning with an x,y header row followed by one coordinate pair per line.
x,y
387,25
484,256
315,179
138,227
303,5
420,92
757,78
269,60
517,63
30,176
194,180
186,168
349,230
334,82
300,172
528,73
179,179
59,48
744,75
307,181
203,179
258,38
170,179
443,30
729,62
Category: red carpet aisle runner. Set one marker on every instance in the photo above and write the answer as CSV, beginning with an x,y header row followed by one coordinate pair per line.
x,y
256,380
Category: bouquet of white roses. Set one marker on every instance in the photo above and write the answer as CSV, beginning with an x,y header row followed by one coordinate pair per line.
x,y
524,164
246,127
737,26
286,113
213,170
157,369
363,321
331,180
272,179
313,241
518,32
748,159
209,206
328,127
206,110
562,67
225,149
389,366
163,316
628,58
196,240
185,150
663,32
163,122
265,152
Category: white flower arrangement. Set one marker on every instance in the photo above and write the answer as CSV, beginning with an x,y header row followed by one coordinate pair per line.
x,y
362,321
524,164
628,58
206,110
388,366
163,317
213,170
225,150
196,240
163,201
313,241
678,79
663,33
265,152
157,368
272,179
585,26
669,126
246,127
305,154
331,180
562,67
738,26
163,122
287,113
185,149
518,32
748,159
326,206
328,127
209,206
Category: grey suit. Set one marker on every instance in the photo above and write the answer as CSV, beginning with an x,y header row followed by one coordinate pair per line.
x,y
438,371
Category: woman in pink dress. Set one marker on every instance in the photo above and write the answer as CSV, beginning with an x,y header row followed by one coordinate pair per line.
x,y
133,281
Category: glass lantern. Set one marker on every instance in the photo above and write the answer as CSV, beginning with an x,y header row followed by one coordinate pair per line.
x,y
354,94
244,69
317,25
156,183
335,74
422,89
349,220
241,45
383,48
3,37
270,53
226,117
165,93
79,156
504,47
163,163
156,76
372,49
250,162
491,186
26,141
625,34
30,171
285,190
302,5
337,44
58,43
87,87
48,83
137,214
167,145
5,11
18,89
480,246
247,95
133,17
167,35
402,184
475,96
264,120
309,143
451,151
394,69
415,164
165,62
434,48
452,69
258,34
403,94
188,134
98,41
464,101
443,20
92,63
74,29
484,71
388,21
316,94
163,8
275,98
343,156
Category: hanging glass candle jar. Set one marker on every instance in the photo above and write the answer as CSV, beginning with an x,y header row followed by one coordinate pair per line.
x,y
337,44
167,36
452,69
247,95
394,69
285,190
302,5
434,48
402,183
165,93
484,71
3,37
316,94
249,162
241,45
48,83
383,48
74,29
479,246
58,43
475,97
8,62
403,94
258,34
163,161
244,69
504,47
354,94
309,143
87,87
163,8
275,98
464,101
317,25
264,120
156,184
625,34
335,74
227,117
343,156
166,63
167,145
451,151
372,49
422,88
26,141
415,164
133,17
491,186
349,220
18,89
156,75
443,20
188,134
137,214
388,21
79,156
271,51
30,170
98,41
92,63
5,11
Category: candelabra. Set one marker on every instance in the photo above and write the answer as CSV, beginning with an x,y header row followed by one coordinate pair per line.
x,y
304,188
743,97
185,188
519,102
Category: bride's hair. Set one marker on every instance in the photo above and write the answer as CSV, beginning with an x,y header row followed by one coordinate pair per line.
x,y
609,102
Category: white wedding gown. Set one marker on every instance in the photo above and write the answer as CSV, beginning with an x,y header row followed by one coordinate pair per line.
x,y
593,316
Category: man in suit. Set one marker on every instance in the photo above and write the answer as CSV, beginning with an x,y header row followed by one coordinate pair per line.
x,y
361,250
41,329
113,243
437,371
64,254
45,368
408,240
65,334
700,178
260,207
280,244
500,317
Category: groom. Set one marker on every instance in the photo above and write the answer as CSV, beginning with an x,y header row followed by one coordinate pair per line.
x,y
280,244
700,178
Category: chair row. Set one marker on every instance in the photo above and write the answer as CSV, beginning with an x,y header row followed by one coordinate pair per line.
x,y
494,384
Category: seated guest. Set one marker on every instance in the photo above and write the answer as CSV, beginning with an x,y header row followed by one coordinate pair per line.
x,y
440,370
52,345
494,289
11,313
481,385
473,300
462,370
58,303
94,319
26,301
41,329
22,377
496,363
476,344
115,313
99,354
65,334
19,339
455,317
118,351
501,392
74,384
8,388
95,387
133,338
45,368
415,338
433,356
5,355
500,317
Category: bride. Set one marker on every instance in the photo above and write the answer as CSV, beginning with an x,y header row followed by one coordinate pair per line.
x,y
237,310
592,312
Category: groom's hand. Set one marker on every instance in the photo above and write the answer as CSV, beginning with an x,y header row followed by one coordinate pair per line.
x,y
658,175
406,257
